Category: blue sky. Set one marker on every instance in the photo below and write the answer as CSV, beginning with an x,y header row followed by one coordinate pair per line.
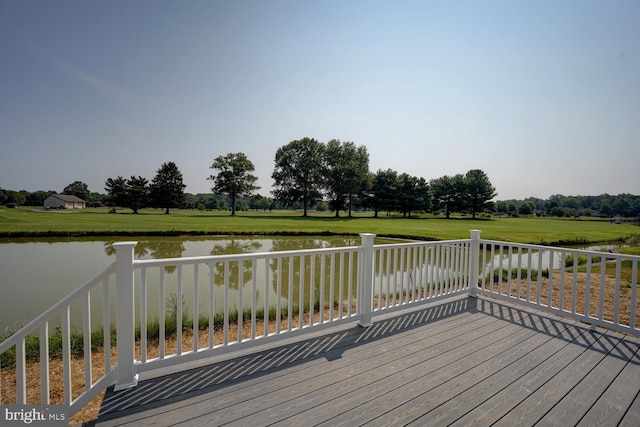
x,y
544,96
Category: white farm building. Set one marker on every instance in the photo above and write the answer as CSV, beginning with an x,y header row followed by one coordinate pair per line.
x,y
64,201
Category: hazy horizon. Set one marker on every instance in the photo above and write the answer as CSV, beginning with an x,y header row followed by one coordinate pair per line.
x,y
542,96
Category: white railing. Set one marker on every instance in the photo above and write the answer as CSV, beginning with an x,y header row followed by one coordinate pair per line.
x,y
410,273
598,288
171,311
247,298
62,351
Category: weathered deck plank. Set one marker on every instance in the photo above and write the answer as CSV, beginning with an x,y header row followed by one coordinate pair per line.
x,y
274,385
570,410
544,398
437,384
620,394
350,391
466,362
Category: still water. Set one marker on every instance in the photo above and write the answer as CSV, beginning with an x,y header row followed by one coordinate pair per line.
x,y
538,259
34,275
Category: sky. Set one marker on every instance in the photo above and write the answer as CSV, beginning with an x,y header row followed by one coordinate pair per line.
x,y
543,96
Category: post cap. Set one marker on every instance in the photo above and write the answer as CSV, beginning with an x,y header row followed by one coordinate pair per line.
x,y
124,244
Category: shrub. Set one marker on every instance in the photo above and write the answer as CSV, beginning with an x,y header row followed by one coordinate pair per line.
x,y
513,274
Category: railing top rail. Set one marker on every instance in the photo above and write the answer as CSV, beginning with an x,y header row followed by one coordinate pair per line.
x,y
420,243
560,248
239,257
29,327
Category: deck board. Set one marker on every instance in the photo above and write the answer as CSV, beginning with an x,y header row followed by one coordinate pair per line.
x,y
576,403
620,394
463,362
544,398
403,371
442,377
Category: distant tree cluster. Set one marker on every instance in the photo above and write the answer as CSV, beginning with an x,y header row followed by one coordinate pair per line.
x,y
307,174
221,202
309,171
78,189
391,191
166,190
37,198
604,205
329,176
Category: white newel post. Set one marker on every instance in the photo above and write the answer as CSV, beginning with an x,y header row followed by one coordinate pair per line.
x,y
125,316
365,284
474,262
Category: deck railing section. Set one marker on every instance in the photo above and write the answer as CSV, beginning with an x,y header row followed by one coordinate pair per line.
x,y
409,273
175,310
217,302
598,288
63,351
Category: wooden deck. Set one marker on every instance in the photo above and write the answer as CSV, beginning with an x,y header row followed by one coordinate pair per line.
x,y
462,362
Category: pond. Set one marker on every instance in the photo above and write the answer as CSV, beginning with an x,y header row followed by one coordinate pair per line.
x,y
34,275
540,259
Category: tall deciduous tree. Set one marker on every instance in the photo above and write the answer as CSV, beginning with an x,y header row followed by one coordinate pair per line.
x,y
167,189
346,173
478,190
78,189
298,172
234,177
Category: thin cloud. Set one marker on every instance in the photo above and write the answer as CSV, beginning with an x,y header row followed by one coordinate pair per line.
x,y
103,86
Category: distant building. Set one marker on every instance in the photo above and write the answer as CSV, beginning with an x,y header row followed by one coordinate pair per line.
x,y
64,201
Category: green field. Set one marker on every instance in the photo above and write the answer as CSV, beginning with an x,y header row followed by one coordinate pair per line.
x,y
31,222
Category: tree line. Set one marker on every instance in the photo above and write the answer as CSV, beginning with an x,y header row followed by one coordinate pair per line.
x,y
605,205
165,191
309,174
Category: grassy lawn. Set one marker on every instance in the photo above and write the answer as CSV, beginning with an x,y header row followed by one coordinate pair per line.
x,y
33,222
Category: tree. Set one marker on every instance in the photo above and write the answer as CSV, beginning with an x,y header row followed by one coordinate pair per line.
x,y
116,191
18,197
167,189
383,194
448,193
298,173
37,198
78,189
478,190
234,177
137,193
346,173
413,194
526,208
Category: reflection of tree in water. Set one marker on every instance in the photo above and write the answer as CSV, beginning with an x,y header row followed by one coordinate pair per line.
x,y
155,249
139,250
241,246
299,243
302,282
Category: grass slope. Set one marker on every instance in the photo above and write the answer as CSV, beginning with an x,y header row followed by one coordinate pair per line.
x,y
27,222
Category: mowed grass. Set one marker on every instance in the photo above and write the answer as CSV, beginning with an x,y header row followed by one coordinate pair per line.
x,y
33,222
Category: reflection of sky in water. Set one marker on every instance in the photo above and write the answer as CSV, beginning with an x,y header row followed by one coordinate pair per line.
x,y
539,260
